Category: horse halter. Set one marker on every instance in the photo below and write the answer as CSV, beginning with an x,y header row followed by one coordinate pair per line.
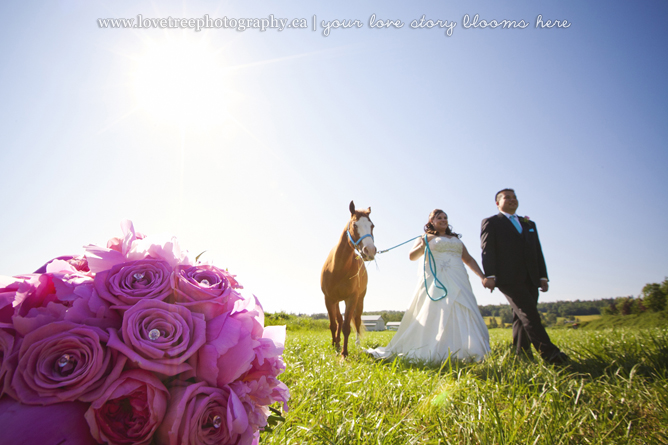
x,y
356,244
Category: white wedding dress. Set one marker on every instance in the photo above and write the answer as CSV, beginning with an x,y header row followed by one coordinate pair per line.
x,y
433,330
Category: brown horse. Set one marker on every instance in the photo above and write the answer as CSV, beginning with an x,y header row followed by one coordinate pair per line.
x,y
344,276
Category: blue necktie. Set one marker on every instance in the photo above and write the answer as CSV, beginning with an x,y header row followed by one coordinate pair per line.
x,y
516,223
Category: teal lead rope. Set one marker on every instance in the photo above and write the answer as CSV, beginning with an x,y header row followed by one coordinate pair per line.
x,y
387,250
429,257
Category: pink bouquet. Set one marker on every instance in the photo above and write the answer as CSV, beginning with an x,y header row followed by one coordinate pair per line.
x,y
135,344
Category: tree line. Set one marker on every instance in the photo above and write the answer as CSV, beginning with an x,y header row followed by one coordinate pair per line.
x,y
653,298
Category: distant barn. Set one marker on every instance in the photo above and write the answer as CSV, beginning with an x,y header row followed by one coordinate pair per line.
x,y
393,325
373,322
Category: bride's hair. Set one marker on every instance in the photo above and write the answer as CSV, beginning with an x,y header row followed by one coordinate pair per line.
x,y
429,227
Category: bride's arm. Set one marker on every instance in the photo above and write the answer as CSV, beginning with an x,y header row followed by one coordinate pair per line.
x,y
472,263
418,249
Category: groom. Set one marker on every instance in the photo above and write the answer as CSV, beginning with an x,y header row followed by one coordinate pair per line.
x,y
513,262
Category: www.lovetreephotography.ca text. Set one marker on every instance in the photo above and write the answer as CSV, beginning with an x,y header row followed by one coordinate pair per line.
x,y
326,27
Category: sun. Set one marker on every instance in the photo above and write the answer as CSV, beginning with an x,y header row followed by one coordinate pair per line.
x,y
181,80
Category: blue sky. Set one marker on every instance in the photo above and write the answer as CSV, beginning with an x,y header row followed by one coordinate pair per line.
x,y
250,145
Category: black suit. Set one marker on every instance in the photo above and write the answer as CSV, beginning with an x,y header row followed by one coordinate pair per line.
x,y
516,261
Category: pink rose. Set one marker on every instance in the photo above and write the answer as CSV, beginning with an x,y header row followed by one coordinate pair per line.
x,y
63,362
205,289
200,414
130,410
160,337
62,423
128,283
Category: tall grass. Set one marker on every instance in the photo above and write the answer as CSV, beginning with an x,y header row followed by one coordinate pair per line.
x,y
616,391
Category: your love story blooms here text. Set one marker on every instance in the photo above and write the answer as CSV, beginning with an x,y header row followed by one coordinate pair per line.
x,y
468,22
326,27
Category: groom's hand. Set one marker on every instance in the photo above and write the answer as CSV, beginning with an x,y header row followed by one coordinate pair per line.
x,y
489,283
543,285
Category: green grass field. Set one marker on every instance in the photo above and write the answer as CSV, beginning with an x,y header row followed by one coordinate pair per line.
x,y
615,392
498,320
579,318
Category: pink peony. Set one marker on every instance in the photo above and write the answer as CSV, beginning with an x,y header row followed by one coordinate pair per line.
x,y
34,291
128,283
76,263
36,303
8,288
135,246
63,362
205,289
91,310
200,414
268,364
160,337
229,349
260,387
47,298
130,410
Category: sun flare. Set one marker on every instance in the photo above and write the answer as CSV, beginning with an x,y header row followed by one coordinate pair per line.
x,y
180,80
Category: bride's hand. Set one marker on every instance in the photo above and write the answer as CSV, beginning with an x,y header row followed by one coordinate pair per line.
x,y
489,283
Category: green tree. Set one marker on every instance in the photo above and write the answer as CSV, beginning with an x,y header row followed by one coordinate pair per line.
x,y
638,306
626,306
551,318
611,310
654,297
506,314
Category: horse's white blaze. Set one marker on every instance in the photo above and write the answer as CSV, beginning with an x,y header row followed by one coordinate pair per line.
x,y
363,226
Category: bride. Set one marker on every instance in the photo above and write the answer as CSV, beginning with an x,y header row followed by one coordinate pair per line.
x,y
443,319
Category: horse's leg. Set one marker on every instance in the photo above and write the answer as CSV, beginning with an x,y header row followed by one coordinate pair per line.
x,y
339,320
347,318
334,324
358,319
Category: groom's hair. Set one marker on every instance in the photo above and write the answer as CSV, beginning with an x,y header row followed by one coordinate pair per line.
x,y
496,197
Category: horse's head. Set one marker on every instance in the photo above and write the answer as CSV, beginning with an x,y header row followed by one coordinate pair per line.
x,y
360,229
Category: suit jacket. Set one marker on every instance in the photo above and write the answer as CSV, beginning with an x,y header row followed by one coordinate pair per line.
x,y
509,255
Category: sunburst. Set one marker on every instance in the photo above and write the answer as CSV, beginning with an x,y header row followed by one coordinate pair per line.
x,y
181,80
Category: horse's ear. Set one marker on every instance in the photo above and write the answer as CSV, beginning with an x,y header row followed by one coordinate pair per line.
x,y
352,208
368,210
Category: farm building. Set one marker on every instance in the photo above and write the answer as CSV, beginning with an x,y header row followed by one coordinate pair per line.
x,y
373,322
393,325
